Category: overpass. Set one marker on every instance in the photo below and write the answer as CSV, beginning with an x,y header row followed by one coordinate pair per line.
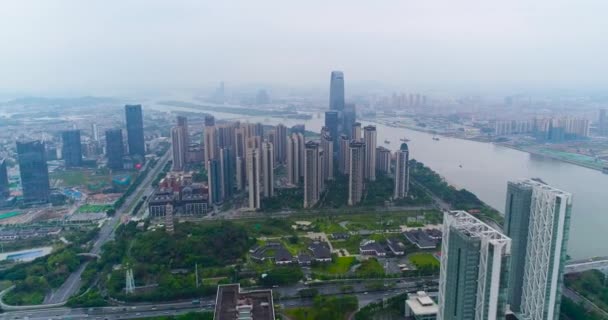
x,y
600,263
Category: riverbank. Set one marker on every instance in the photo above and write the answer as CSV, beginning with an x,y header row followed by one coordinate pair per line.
x,y
554,156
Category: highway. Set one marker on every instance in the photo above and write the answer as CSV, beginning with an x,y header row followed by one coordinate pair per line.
x,y
72,284
174,308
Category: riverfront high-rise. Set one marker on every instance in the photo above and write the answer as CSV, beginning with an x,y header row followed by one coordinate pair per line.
x,y
328,160
267,169
383,159
474,269
281,143
114,148
34,172
227,168
537,218
344,155
332,122
295,158
253,177
135,130
311,174
355,176
603,123
214,180
178,148
71,151
210,136
355,131
370,153
336,91
402,172
349,117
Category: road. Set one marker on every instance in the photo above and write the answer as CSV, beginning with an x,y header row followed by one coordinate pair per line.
x,y
174,308
72,284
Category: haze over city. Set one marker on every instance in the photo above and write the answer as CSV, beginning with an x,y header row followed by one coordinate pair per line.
x,y
121,47
322,160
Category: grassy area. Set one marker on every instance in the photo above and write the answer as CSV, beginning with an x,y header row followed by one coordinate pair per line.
x,y
422,260
90,208
351,244
339,266
325,308
370,268
187,316
590,284
9,214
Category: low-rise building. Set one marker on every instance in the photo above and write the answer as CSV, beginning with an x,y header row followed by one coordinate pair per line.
x,y
421,239
396,246
320,251
231,303
372,248
419,306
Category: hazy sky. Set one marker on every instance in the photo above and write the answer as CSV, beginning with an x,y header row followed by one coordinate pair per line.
x,y
103,47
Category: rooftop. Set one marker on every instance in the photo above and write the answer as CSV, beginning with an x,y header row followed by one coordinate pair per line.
x,y
232,303
473,227
421,304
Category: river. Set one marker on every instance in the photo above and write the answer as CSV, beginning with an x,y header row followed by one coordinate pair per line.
x,y
485,168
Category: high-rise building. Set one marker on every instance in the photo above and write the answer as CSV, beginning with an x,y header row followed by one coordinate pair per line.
x,y
311,174
267,169
227,169
178,148
210,136
182,122
349,117
4,186
214,179
225,135
474,269
34,172
402,172
281,145
355,178
332,122
383,159
253,177
114,148
240,150
344,155
327,146
537,219
370,153
603,123
355,131
71,152
336,91
295,158
135,130
94,132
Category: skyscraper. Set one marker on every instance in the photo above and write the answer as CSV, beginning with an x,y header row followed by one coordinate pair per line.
x,y
281,146
267,169
214,179
210,136
34,172
114,148
240,151
311,174
327,146
344,155
135,130
182,122
178,148
355,131
336,91
349,117
383,159
355,178
332,123
474,269
253,177
537,218
402,172
295,158
370,153
227,169
71,152
4,186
